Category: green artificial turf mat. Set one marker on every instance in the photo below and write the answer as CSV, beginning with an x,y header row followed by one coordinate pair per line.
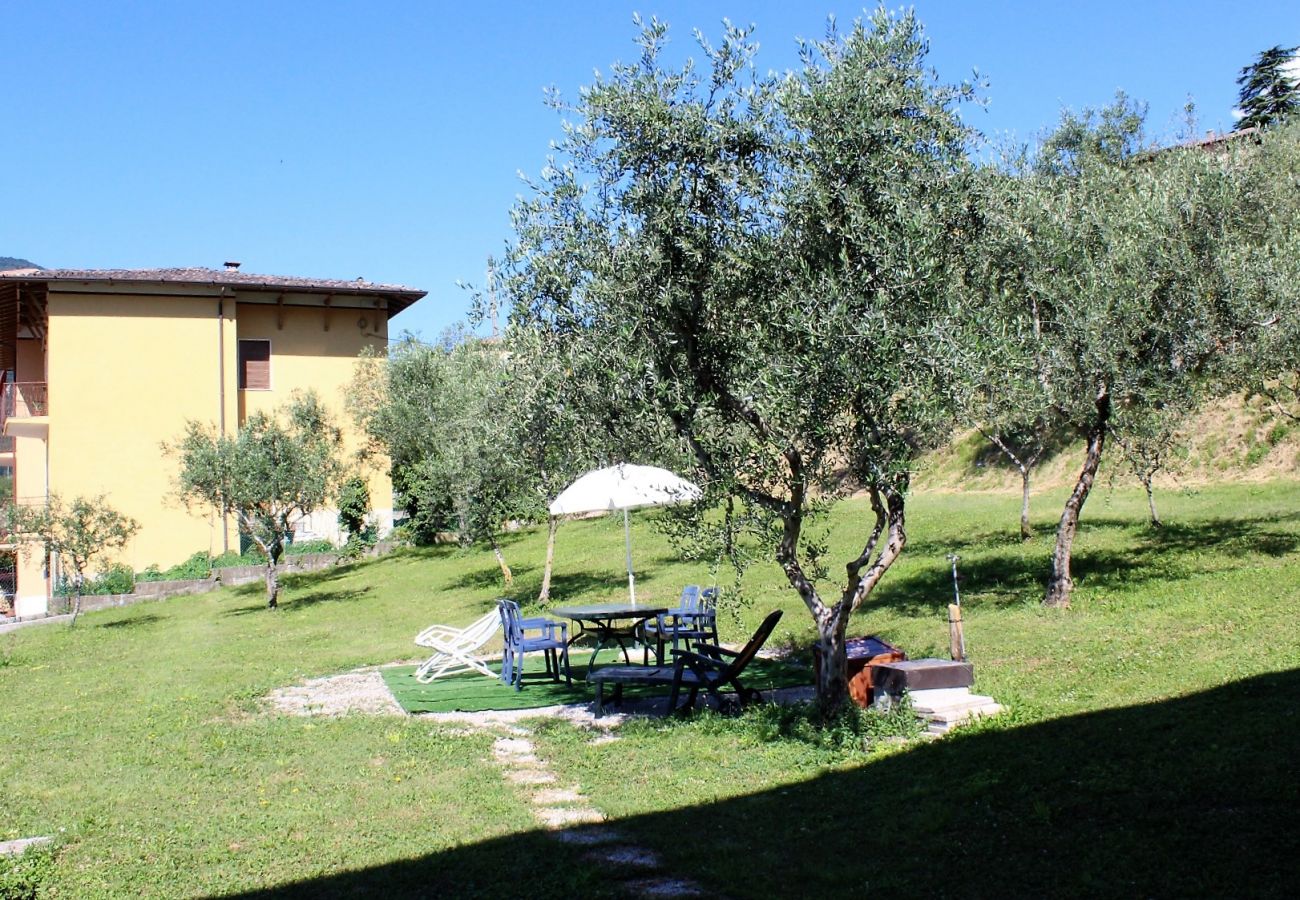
x,y
473,692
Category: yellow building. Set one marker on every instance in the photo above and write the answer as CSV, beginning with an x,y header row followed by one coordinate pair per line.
x,y
101,367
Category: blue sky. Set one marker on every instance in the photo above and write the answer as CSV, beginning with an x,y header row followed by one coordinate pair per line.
x,y
383,140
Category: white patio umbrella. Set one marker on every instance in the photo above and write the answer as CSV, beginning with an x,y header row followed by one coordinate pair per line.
x,y
624,487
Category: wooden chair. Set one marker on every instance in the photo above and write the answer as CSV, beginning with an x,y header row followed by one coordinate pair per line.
x,y
709,667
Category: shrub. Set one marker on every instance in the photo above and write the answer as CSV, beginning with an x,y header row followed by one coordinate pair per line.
x,y
319,545
196,567
27,875
116,579
231,558
354,506
852,730
1256,454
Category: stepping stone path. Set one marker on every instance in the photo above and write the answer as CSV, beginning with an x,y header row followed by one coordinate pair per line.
x,y
560,808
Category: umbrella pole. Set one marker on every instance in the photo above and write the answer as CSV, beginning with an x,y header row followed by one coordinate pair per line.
x,y
627,542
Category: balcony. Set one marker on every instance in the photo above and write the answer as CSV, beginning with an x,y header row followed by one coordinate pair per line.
x,y
24,410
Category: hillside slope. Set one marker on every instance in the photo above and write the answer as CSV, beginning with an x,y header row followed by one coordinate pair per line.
x,y
14,262
1231,439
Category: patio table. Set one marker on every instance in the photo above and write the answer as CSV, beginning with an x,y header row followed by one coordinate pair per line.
x,y
601,620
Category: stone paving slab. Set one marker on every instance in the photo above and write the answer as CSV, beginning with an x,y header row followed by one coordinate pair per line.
x,y
13,848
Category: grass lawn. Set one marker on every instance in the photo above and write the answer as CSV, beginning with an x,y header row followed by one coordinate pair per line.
x,y
1151,747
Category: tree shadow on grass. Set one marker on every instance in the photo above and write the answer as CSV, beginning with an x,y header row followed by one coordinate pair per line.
x,y
490,578
1011,575
303,601
571,587
133,622
1192,796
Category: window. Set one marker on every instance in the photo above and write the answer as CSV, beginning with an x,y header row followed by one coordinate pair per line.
x,y
254,365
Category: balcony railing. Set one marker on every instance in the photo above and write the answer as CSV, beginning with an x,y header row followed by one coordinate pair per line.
x,y
23,399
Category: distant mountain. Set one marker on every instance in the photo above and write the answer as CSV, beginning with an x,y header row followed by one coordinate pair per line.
x,y
13,262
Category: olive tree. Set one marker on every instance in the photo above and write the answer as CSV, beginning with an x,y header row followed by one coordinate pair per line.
x,y
560,426
1148,440
278,468
443,415
1127,277
1270,365
78,533
760,268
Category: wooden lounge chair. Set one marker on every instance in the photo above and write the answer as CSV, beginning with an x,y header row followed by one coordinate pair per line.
x,y
709,667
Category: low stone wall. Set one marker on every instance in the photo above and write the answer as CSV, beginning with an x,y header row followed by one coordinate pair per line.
x,y
307,562
174,588
158,590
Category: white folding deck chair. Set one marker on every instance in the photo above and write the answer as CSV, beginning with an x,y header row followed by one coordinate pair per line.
x,y
452,648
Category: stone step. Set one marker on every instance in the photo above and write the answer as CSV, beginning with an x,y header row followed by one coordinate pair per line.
x,y
938,697
961,715
972,702
944,724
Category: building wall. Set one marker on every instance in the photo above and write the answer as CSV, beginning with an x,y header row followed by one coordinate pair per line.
x,y
32,590
124,374
305,355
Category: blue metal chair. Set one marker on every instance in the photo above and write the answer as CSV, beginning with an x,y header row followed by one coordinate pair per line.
x,y
694,620
552,637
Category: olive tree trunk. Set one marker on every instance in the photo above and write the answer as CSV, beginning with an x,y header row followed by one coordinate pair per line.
x,y
1151,504
1024,466
864,573
1059,585
272,575
501,561
78,583
552,526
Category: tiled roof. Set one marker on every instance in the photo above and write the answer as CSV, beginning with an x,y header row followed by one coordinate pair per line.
x,y
210,276
398,297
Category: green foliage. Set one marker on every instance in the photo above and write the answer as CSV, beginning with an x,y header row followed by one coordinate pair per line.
x,y
1268,93
197,567
116,579
849,730
1256,454
354,506
444,415
302,548
231,559
1129,284
758,270
29,875
80,532
277,469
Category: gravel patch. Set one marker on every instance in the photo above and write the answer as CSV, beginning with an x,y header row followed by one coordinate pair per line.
x,y
362,691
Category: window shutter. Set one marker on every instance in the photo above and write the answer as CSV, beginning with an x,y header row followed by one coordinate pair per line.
x,y
255,365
